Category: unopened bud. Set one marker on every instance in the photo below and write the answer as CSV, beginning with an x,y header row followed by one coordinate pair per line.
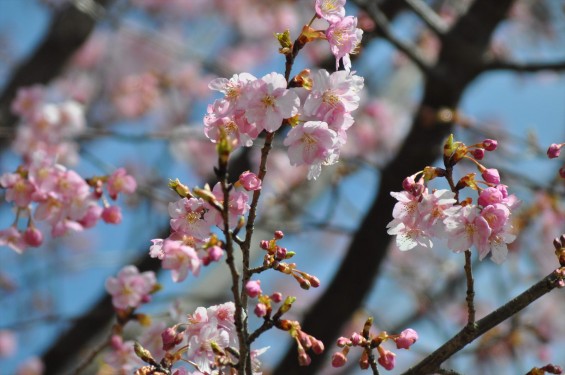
x,y
279,234
304,359
317,346
490,144
478,153
339,359
182,190
143,353
304,284
314,281
276,297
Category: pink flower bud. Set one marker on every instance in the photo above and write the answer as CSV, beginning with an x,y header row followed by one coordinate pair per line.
x,y
215,253
314,281
491,175
356,338
339,359
279,234
406,339
281,253
260,310
386,358
171,338
342,341
479,153
264,245
407,183
276,297
253,288
554,150
112,215
33,237
304,359
490,195
250,181
490,144
317,346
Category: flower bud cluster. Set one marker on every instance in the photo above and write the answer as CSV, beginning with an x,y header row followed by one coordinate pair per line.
x,y
60,198
421,216
275,257
368,342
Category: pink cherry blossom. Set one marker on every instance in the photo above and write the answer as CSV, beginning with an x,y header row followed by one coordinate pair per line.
x,y
130,288
312,143
187,217
269,102
232,124
489,196
180,259
237,206
13,238
232,88
27,101
120,182
199,346
467,228
344,38
18,189
330,10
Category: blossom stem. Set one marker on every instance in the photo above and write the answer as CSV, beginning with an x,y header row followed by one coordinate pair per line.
x,y
470,289
240,306
372,361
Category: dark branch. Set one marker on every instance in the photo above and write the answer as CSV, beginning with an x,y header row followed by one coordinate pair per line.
x,y
468,334
556,66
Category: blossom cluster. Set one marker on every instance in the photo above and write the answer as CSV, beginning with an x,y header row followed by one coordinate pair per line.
x,y
319,113
47,127
60,198
421,215
191,244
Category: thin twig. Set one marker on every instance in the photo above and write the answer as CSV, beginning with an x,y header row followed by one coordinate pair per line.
x,y
470,289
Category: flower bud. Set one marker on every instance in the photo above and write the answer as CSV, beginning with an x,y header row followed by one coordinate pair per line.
x,y
260,310
253,288
276,297
281,253
491,176
317,346
562,172
314,281
386,358
490,144
279,234
478,153
304,359
215,253
356,339
554,150
343,341
33,237
339,359
250,181
112,215
406,339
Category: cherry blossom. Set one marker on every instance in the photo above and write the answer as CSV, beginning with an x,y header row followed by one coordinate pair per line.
x,y
130,288
330,10
180,259
120,182
269,102
187,217
312,143
344,38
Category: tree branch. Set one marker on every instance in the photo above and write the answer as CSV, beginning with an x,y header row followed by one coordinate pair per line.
x,y
384,28
533,67
468,334
428,15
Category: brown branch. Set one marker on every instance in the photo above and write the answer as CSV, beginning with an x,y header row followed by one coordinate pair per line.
x,y
470,289
468,334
